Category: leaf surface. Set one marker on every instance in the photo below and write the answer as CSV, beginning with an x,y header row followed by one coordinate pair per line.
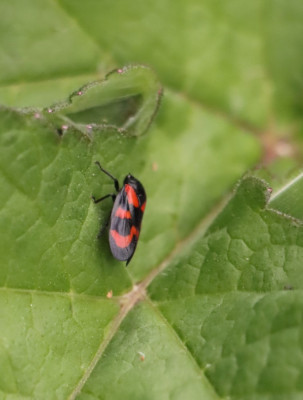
x,y
211,305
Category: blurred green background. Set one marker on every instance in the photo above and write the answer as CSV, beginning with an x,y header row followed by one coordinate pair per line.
x,y
242,59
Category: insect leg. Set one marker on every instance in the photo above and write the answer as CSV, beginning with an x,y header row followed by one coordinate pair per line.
x,y
113,196
103,227
110,175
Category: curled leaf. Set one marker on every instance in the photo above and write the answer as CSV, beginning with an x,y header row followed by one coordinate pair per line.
x,y
127,99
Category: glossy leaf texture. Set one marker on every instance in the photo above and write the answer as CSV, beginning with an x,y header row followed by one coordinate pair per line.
x,y
211,305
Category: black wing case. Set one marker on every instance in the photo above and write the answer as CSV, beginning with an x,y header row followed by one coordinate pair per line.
x,y
123,233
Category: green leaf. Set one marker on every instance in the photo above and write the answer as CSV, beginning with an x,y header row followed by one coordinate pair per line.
x,y
243,59
229,300
286,199
146,359
126,99
211,305
37,329
52,248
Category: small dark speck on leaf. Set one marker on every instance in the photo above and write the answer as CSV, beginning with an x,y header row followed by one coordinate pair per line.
x,y
61,130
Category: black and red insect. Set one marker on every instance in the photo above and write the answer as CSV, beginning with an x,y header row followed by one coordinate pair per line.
x,y
126,216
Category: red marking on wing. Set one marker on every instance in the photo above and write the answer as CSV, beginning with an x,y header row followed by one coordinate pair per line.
x,y
143,206
123,213
131,196
124,241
